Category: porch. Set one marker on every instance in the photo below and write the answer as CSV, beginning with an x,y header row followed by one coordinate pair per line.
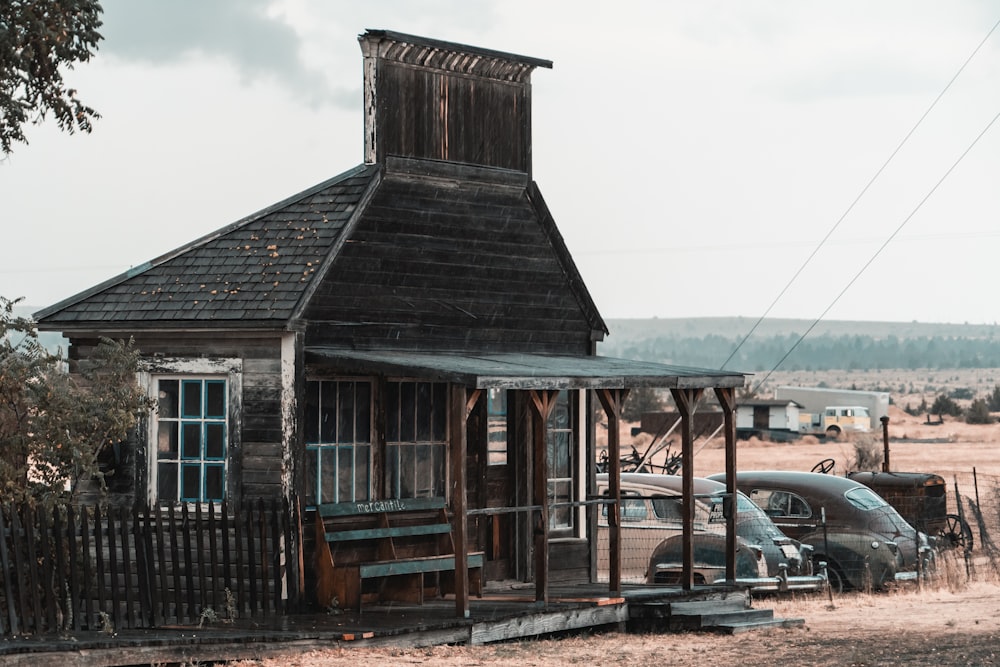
x,y
505,612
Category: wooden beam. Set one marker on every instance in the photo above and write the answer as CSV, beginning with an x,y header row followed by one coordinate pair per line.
x,y
462,403
612,401
686,401
727,399
542,402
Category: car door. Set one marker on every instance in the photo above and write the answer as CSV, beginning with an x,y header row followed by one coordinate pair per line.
x,y
789,511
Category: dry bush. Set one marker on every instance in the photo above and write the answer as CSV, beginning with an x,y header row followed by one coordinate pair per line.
x,y
868,454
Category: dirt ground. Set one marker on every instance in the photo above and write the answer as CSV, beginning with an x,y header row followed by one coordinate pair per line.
x,y
952,622
930,627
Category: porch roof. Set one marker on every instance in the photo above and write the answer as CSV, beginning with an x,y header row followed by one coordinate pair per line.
x,y
523,371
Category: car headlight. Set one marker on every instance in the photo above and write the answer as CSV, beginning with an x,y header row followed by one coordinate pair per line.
x,y
874,544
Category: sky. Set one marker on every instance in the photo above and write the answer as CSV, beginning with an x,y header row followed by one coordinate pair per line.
x,y
781,158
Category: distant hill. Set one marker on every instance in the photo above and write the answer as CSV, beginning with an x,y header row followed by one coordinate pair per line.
x,y
708,343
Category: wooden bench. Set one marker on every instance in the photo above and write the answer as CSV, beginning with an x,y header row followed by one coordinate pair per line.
x,y
398,550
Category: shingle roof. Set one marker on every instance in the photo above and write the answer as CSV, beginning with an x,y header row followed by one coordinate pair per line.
x,y
253,272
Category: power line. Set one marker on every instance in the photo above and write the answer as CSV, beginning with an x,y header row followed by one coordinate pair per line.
x,y
857,199
880,249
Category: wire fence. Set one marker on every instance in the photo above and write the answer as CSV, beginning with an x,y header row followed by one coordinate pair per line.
x,y
960,519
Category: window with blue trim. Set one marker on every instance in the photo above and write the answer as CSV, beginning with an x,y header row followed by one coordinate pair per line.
x,y
338,415
191,439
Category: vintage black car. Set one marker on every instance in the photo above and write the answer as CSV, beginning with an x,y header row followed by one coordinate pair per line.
x,y
651,534
861,537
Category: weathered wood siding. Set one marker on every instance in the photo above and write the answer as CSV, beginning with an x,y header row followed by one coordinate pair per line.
x,y
442,115
447,257
256,441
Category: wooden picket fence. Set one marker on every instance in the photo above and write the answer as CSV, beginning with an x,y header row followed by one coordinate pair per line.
x,y
112,568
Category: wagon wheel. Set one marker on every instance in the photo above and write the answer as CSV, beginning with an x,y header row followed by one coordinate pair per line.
x,y
956,533
824,466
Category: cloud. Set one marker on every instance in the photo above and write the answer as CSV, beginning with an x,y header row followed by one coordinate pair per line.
x,y
244,33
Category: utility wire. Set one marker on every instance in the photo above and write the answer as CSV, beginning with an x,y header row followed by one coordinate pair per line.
x,y
880,249
856,200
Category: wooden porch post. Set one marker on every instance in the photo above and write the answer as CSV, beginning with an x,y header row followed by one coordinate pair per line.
x,y
727,399
612,401
542,403
686,400
461,406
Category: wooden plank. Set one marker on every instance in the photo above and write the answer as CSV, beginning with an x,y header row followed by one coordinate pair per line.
x,y
113,572
414,565
161,557
76,592
380,506
276,555
227,568
153,591
48,574
458,410
213,556
61,598
242,600
199,533
123,525
174,530
86,524
30,527
6,564
264,580
251,558
192,606
391,531
18,547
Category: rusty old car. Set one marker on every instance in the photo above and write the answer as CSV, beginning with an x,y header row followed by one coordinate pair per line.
x,y
863,540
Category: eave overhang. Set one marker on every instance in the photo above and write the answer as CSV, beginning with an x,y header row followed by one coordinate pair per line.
x,y
521,371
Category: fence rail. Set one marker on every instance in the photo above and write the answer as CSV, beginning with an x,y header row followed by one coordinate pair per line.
x,y
76,567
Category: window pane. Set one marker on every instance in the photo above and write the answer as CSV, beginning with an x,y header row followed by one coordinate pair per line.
x,y
439,418
328,412
166,481
311,476
362,472
215,441
214,482
166,401
425,407
440,471
191,440
311,426
345,412
191,482
407,469
496,427
392,411
346,477
215,399
363,412
327,476
166,440
407,408
191,398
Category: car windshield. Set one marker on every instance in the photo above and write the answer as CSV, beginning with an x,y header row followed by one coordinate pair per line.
x,y
865,499
743,506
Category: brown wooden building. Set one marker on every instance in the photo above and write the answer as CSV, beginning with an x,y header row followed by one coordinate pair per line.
x,y
412,328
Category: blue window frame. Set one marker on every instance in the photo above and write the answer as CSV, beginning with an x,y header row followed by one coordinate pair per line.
x,y
192,439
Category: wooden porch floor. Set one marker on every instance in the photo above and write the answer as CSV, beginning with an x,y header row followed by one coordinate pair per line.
x,y
501,614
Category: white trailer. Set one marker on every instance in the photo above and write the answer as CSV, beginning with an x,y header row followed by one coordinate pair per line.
x,y
817,399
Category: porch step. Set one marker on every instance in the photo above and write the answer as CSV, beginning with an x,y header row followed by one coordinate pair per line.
x,y
730,616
